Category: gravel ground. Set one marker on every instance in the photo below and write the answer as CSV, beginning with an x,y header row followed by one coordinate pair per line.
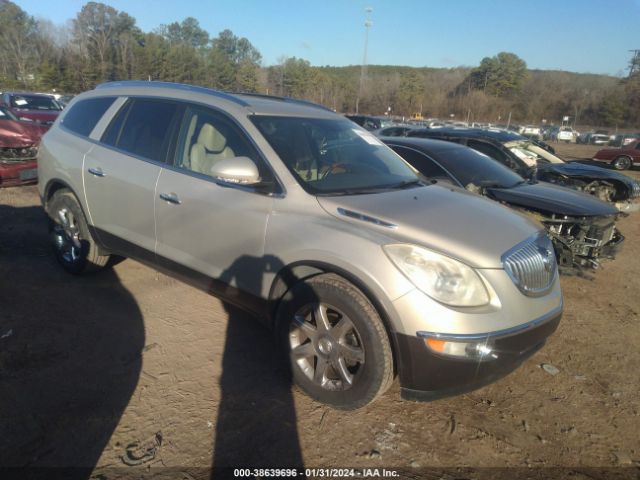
x,y
130,370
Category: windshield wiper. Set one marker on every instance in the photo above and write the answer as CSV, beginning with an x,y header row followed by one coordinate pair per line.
x,y
406,183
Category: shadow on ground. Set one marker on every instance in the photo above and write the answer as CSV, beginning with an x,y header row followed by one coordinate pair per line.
x,y
256,426
70,352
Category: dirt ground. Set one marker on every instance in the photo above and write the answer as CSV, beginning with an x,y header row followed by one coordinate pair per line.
x,y
130,366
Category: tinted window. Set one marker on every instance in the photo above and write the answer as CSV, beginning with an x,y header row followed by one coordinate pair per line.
x,y
469,166
85,114
145,128
422,163
113,131
488,150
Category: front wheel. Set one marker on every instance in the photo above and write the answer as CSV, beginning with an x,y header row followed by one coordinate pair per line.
x,y
338,348
75,250
621,163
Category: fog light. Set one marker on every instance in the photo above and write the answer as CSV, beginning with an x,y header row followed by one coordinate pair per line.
x,y
469,350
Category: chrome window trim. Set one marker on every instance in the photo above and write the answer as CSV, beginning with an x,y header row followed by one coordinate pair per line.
x,y
279,185
507,332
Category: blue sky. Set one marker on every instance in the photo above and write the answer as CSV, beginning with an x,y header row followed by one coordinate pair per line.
x,y
591,36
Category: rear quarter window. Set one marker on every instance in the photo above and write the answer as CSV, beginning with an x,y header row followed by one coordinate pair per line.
x,y
83,116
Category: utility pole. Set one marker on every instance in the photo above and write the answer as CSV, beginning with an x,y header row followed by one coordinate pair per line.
x,y
634,64
363,68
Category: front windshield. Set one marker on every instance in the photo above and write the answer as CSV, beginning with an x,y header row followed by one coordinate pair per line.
x,y
531,153
471,167
34,102
335,156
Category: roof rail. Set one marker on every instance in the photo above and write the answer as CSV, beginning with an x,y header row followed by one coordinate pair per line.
x,y
285,99
180,86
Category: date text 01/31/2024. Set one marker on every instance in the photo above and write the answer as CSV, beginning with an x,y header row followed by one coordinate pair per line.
x,y
316,472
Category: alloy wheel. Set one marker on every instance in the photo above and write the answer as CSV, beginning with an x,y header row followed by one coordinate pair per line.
x,y
326,346
66,235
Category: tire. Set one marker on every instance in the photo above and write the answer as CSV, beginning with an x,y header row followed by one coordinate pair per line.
x,y
74,247
347,365
621,163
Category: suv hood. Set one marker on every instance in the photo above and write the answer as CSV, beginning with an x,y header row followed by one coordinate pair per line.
x,y
452,221
575,169
553,199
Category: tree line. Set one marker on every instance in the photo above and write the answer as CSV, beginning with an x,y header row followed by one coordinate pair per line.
x,y
103,44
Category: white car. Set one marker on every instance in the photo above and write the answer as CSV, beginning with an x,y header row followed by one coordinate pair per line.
x,y
567,134
531,131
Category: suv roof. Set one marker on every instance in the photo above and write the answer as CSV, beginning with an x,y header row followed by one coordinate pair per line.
x,y
257,103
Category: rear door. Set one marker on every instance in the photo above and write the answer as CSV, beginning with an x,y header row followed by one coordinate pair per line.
x,y
121,171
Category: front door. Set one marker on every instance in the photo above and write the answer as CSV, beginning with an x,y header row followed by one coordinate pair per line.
x,y
212,231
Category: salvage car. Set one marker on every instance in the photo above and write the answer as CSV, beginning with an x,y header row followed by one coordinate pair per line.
x,y
35,107
309,221
18,149
581,227
621,158
532,161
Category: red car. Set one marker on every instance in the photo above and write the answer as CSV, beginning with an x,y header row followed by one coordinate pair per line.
x,y
35,107
18,149
620,158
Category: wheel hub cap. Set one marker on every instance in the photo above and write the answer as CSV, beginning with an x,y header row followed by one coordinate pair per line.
x,y
325,346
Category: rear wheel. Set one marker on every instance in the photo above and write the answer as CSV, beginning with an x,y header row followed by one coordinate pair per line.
x,y
621,163
338,349
75,250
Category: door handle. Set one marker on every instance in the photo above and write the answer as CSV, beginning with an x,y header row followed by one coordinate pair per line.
x,y
171,198
97,172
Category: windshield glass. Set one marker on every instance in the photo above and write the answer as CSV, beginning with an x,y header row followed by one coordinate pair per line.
x,y
335,156
34,102
469,166
531,153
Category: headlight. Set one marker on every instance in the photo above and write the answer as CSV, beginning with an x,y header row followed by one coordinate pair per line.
x,y
442,278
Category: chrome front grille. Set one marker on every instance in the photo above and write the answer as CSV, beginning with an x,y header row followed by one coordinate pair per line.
x,y
532,265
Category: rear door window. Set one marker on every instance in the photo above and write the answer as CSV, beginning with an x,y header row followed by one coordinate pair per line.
x,y
83,116
143,127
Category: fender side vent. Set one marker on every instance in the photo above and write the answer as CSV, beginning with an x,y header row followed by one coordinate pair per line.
x,y
366,218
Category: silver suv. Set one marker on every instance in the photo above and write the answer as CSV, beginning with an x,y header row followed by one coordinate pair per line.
x,y
363,269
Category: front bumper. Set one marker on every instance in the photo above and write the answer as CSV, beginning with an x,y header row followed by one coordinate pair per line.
x,y
427,375
18,173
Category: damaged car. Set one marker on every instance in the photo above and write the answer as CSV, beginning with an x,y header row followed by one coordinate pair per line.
x,y
532,161
18,149
31,107
582,228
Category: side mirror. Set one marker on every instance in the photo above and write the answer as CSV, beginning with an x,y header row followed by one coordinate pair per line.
x,y
236,170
